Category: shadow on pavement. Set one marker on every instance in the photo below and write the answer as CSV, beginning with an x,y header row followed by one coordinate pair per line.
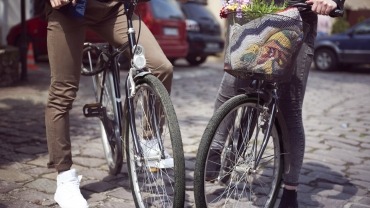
x,y
108,183
323,182
22,130
358,69
22,119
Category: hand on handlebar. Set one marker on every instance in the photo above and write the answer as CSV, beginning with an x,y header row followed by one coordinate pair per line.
x,y
56,4
323,7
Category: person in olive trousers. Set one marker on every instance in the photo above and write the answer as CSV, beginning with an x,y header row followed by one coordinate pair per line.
x,y
65,38
290,104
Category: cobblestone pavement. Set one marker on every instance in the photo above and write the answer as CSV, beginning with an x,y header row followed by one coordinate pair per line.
x,y
336,170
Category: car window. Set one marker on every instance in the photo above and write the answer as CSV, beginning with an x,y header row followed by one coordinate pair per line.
x,y
166,9
197,12
363,29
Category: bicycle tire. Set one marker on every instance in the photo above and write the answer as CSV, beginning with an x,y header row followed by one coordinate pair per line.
x,y
236,186
149,187
113,146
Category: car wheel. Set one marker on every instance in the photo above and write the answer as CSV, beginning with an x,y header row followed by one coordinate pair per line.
x,y
194,60
325,60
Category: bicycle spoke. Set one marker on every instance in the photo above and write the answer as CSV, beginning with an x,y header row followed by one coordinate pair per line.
x,y
240,183
152,169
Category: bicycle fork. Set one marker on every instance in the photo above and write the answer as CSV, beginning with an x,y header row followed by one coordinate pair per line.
x,y
150,114
267,133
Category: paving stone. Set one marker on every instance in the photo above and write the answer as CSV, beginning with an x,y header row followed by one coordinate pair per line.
x,y
365,200
7,186
19,203
359,206
89,162
38,171
114,204
97,186
18,157
37,197
41,161
360,175
361,184
342,146
95,149
95,197
121,193
43,185
51,175
13,175
341,155
94,173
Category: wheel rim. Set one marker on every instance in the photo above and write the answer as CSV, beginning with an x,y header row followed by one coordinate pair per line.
x,y
110,145
108,150
246,186
152,187
324,60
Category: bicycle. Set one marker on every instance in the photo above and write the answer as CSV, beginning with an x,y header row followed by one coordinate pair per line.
x,y
146,127
250,163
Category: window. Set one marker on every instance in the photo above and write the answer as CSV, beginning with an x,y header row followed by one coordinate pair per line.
x,y
166,9
363,29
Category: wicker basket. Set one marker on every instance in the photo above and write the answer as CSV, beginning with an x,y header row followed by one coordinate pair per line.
x,y
263,47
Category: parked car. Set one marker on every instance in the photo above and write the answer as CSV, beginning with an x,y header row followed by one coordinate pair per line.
x,y
163,17
167,23
204,32
347,48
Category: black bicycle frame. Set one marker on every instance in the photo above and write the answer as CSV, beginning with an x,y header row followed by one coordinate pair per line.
x,y
129,9
267,96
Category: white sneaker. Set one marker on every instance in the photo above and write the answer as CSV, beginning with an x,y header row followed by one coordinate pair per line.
x,y
68,194
152,154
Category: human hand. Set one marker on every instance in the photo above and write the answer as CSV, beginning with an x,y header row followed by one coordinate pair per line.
x,y
323,7
56,4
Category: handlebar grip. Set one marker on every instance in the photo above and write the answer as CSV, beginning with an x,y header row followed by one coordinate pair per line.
x,y
334,13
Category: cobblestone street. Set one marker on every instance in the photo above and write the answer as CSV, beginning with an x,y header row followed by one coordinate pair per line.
x,y
336,169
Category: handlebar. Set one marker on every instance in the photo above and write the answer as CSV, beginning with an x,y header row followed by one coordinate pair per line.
x,y
334,13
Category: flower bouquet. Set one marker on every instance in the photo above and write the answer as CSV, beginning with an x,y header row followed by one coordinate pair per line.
x,y
262,39
254,8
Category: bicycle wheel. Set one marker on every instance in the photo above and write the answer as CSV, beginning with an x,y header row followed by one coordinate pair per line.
x,y
155,157
109,127
227,174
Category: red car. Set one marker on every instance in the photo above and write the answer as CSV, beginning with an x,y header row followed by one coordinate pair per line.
x,y
163,17
166,21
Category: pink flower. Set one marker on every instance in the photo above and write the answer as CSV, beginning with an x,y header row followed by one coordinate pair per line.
x,y
231,6
245,2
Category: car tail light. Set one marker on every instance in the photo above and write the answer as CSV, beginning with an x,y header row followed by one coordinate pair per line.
x,y
146,16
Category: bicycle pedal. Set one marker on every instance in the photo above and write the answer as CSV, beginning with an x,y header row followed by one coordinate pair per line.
x,y
93,110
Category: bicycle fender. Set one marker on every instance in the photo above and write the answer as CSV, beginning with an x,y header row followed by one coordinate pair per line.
x,y
142,74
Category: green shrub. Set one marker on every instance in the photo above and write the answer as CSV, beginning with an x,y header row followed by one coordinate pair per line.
x,y
340,25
